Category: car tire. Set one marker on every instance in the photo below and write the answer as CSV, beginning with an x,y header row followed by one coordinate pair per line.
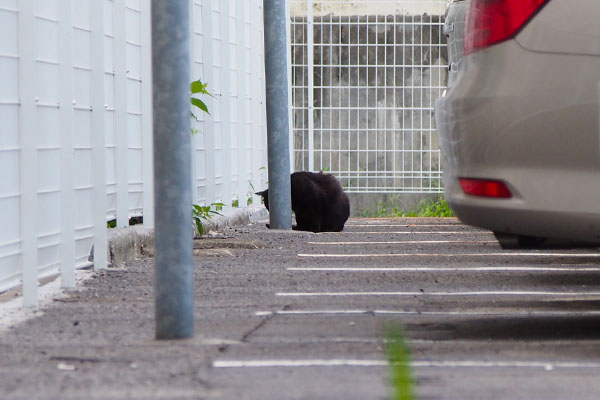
x,y
511,241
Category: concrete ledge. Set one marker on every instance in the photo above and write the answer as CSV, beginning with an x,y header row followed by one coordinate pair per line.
x,y
131,243
236,217
137,241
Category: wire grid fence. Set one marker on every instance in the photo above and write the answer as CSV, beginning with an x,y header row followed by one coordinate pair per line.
x,y
365,76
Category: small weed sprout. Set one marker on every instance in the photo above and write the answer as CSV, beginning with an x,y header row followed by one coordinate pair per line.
x,y
200,214
203,213
198,87
398,355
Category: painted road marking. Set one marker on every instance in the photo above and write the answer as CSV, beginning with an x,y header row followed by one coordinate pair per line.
x,y
535,313
406,225
404,242
506,254
533,364
408,232
546,365
413,220
412,342
445,269
578,294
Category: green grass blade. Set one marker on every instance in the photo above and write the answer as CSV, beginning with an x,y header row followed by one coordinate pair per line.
x,y
398,355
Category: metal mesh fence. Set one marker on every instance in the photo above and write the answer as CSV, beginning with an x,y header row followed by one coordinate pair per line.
x,y
365,75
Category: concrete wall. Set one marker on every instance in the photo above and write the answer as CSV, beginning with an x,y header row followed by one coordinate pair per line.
x,y
364,7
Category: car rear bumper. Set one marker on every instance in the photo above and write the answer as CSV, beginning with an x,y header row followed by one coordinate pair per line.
x,y
516,216
533,126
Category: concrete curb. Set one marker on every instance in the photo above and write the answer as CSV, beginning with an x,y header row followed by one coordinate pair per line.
x,y
135,242
237,217
131,243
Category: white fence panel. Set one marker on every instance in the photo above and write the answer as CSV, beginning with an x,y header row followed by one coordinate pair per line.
x,y
28,157
133,110
76,142
81,72
230,147
10,189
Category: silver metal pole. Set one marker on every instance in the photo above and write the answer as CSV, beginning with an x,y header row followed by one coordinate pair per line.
x,y
278,149
173,270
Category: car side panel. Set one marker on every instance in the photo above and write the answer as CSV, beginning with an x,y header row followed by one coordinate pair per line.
x,y
532,123
564,26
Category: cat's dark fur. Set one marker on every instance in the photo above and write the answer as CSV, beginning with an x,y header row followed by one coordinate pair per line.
x,y
318,201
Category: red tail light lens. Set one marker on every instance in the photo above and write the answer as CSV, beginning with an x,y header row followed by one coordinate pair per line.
x,y
485,188
493,21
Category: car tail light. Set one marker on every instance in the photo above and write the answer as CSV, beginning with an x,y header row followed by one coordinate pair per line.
x,y
485,188
493,21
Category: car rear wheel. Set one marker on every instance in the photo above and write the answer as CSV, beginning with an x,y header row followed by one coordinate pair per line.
x,y
512,241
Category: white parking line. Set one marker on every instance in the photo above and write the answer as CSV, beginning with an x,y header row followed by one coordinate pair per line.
x,y
546,365
403,220
506,254
404,242
405,225
412,342
578,294
445,269
410,232
408,221
524,313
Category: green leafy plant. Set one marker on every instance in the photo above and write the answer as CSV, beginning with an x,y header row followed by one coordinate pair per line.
x,y
435,207
398,355
252,190
380,211
203,213
200,214
199,87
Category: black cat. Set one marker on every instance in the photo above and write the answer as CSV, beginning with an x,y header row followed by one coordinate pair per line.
x,y
318,201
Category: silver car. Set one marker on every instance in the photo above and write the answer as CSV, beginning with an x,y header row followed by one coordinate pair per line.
x,y
519,126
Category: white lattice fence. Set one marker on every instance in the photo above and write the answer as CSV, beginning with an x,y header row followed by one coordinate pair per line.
x,y
76,142
74,105
230,148
365,76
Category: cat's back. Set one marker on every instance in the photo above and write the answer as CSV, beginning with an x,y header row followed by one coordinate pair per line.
x,y
328,186
323,197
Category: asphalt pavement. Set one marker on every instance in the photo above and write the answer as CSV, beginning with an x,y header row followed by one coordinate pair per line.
x,y
296,315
